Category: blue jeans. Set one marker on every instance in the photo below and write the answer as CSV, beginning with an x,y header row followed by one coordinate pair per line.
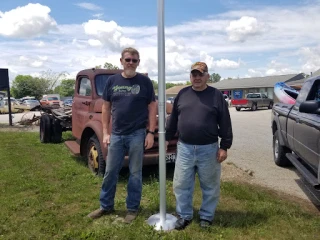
x,y
201,159
119,145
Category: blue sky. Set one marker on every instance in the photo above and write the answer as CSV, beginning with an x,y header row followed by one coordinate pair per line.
x,y
236,38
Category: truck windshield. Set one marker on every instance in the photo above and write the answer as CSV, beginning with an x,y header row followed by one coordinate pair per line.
x,y
101,81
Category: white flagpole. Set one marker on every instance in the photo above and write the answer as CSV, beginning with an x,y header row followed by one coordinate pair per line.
x,y
162,221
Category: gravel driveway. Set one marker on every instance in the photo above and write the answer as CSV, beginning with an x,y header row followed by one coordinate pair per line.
x,y
252,152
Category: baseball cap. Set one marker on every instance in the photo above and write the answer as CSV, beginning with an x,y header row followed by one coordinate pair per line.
x,y
200,66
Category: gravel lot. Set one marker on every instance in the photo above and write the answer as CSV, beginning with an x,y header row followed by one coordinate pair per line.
x,y
250,158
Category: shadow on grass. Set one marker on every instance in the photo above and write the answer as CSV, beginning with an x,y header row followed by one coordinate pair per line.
x,y
236,219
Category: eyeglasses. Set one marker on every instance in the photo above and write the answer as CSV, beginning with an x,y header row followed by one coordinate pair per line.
x,y
131,60
196,73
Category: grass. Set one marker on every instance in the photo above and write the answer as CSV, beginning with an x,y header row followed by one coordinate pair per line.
x,y
46,193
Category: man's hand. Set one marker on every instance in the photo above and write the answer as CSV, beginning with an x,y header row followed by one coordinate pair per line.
x,y
167,143
148,143
221,155
106,140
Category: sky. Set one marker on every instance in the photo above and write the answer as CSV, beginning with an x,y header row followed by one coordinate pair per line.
x,y
237,39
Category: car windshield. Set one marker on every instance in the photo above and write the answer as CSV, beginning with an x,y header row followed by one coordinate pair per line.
x,y
101,81
31,101
52,98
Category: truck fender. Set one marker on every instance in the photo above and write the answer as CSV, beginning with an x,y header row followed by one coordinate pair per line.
x,y
276,126
96,128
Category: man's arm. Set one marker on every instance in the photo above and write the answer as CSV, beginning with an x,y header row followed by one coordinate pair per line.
x,y
152,107
106,116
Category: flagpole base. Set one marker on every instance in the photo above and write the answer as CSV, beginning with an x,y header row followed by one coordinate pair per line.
x,y
163,225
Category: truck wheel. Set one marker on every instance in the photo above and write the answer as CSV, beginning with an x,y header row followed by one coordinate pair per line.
x,y
238,108
45,129
254,107
279,152
96,163
56,130
270,105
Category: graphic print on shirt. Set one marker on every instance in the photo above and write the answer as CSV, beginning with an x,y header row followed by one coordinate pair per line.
x,y
126,90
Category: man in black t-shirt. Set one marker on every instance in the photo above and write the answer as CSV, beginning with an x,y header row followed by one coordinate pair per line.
x,y
130,98
200,115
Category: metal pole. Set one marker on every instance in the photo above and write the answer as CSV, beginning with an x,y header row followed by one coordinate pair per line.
x,y
162,221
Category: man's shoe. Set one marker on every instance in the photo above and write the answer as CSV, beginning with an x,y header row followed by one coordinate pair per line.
x,y
99,213
131,215
182,223
205,223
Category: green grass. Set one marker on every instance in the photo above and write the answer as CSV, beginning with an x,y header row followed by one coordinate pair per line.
x,y
46,193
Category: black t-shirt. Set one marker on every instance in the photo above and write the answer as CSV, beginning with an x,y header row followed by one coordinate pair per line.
x,y
129,99
200,117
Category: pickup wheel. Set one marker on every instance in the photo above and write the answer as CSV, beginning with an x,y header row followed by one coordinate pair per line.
x,y
254,107
45,129
96,163
279,152
270,105
238,108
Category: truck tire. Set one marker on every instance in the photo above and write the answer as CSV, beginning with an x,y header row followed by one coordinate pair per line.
x,y
279,152
254,107
56,130
238,108
270,105
45,128
96,162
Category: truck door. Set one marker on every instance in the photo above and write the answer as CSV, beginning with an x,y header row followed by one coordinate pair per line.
x,y
307,132
81,104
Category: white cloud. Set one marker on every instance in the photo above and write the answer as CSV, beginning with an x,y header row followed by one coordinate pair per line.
x,y
98,15
36,64
222,63
26,22
108,33
94,43
89,6
311,57
245,27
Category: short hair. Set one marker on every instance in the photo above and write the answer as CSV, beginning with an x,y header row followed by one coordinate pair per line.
x,y
130,50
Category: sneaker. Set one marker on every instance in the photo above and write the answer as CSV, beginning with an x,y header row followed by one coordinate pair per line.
x,y
205,223
182,223
99,213
131,215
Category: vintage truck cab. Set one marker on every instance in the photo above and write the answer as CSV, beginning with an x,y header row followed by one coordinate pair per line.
x,y
87,126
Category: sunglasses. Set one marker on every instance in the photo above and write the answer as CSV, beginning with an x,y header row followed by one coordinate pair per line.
x,y
196,73
131,60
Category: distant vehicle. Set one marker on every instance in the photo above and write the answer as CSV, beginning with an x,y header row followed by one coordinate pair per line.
x,y
68,102
31,104
252,101
50,100
170,100
296,134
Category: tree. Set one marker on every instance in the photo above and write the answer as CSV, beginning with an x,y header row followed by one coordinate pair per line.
x,y
66,88
52,78
214,77
26,85
110,66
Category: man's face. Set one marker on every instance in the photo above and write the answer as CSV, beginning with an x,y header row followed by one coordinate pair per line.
x,y
198,79
130,62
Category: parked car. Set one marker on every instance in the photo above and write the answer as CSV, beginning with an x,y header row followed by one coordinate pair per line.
x,y
296,132
31,104
50,101
86,123
252,101
170,100
67,102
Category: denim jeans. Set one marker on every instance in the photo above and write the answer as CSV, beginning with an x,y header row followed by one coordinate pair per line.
x,y
200,159
119,146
